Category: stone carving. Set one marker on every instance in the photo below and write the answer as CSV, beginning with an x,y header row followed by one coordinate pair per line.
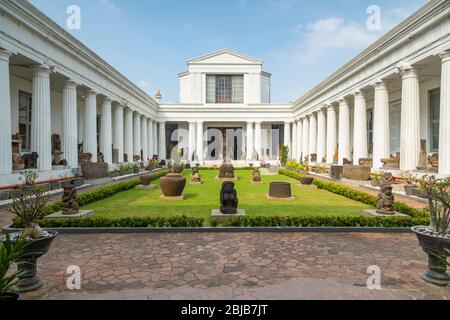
x,y
30,160
280,190
136,158
387,179
423,156
433,162
346,161
366,162
385,200
226,171
56,151
256,176
84,157
196,178
313,157
69,199
17,161
228,198
336,172
306,159
392,162
352,172
100,157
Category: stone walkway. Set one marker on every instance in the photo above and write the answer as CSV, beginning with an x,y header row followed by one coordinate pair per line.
x,y
236,266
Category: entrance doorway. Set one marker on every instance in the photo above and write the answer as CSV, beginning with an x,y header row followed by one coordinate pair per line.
x,y
224,143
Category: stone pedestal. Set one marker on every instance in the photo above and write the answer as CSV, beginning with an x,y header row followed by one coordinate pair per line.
x,y
352,172
79,215
373,212
166,198
291,198
221,217
146,187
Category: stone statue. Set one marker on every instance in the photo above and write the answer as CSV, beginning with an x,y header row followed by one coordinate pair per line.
x,y
196,178
69,199
56,151
256,176
228,198
100,158
388,179
433,162
226,171
385,200
30,160
17,162
423,156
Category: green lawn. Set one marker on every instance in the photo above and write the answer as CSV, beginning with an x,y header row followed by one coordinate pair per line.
x,y
201,199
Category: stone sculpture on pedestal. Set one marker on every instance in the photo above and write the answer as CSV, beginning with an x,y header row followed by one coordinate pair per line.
x,y
228,198
385,200
69,199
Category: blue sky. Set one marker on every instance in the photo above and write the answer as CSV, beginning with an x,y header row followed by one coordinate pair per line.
x,y
301,42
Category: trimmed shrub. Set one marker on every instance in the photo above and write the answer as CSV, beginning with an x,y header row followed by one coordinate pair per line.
x,y
320,221
129,222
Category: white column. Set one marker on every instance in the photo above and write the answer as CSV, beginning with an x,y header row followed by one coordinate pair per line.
x,y
155,137
191,147
118,132
90,125
360,149
444,127
69,141
150,138
381,143
258,146
410,121
106,131
321,135
299,139
137,134
41,118
287,137
199,148
305,138
249,141
294,140
5,115
162,141
144,140
344,131
331,133
312,134
128,141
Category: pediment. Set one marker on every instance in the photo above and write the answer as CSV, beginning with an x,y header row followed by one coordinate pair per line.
x,y
224,57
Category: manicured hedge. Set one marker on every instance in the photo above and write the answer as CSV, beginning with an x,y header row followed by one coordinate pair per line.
x,y
235,169
130,222
322,221
355,194
102,193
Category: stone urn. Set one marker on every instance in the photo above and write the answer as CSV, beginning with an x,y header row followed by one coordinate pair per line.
x,y
280,190
435,247
306,180
172,184
27,261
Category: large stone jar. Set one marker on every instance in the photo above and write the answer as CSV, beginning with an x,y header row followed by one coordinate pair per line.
x,y
172,184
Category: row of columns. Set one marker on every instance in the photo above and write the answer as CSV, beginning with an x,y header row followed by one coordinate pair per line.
x,y
321,132
128,137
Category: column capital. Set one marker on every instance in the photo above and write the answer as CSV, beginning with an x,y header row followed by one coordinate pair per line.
x,y
5,55
380,85
330,107
445,56
70,84
41,69
107,100
408,71
200,121
91,92
359,94
258,122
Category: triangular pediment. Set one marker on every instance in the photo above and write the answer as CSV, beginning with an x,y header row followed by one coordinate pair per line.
x,y
224,57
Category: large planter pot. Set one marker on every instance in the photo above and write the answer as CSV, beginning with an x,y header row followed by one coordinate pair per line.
x,y
9,296
435,247
306,180
410,189
172,184
27,262
280,190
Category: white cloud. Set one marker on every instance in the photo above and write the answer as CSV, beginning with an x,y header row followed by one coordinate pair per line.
x,y
110,5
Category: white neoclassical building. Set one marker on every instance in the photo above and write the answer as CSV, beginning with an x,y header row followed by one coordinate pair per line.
x,y
392,100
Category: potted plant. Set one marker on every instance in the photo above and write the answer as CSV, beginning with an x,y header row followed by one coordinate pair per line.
x,y
28,178
78,180
435,238
410,186
29,207
9,252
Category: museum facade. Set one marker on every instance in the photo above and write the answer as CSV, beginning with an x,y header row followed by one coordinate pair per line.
x,y
389,107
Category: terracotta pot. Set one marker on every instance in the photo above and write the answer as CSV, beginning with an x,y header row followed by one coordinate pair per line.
x,y
435,247
306,180
172,184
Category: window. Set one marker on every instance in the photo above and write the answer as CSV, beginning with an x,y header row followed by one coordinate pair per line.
x,y
224,89
434,105
25,120
394,126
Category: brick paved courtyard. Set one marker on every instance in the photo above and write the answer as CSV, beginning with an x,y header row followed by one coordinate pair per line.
x,y
236,266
